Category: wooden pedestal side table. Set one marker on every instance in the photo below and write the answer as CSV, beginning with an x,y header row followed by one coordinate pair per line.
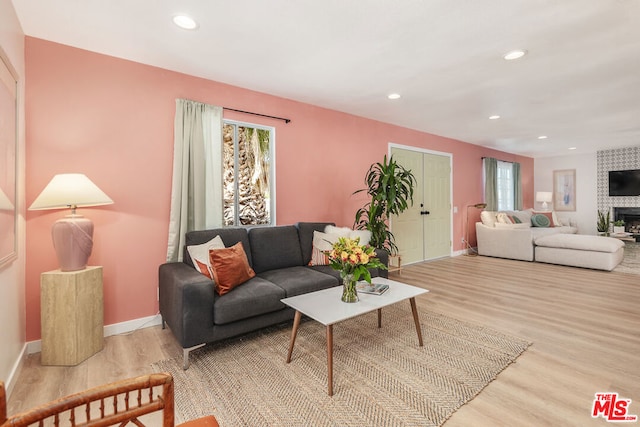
x,y
71,315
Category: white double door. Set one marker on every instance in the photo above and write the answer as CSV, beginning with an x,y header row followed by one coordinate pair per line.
x,y
423,231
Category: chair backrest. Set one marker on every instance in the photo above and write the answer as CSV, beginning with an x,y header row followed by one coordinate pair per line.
x,y
117,403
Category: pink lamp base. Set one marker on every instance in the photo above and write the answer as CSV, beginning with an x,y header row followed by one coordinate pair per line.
x,y
73,241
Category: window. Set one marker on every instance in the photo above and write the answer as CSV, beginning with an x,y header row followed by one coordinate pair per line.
x,y
505,186
248,174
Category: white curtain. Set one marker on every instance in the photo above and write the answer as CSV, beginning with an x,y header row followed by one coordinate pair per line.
x,y
196,191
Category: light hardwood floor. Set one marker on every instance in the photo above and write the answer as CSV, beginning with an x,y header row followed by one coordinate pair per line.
x,y
584,326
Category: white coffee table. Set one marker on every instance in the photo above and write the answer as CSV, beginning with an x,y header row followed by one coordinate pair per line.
x,y
325,307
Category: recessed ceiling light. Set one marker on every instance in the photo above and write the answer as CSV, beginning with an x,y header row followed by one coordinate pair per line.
x,y
394,96
543,137
185,22
572,148
515,54
494,117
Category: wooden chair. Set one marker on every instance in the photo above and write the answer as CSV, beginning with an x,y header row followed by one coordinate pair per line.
x,y
118,403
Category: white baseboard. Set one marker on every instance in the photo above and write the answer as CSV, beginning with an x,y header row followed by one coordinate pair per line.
x,y
114,329
13,374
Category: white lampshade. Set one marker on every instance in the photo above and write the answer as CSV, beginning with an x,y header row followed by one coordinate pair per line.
x,y
544,197
70,190
5,203
73,234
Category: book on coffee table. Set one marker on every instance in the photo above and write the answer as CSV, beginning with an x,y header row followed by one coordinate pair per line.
x,y
371,288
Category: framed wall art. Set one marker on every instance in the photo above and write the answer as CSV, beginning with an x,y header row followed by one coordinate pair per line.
x,y
564,190
8,161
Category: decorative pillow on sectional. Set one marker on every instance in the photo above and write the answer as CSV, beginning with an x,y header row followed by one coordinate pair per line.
x,y
488,218
200,255
539,220
322,242
549,215
503,218
524,216
230,267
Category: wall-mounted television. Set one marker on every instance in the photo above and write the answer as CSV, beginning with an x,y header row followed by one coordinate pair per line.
x,y
624,183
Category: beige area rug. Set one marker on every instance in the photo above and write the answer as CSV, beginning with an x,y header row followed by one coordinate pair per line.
x,y
381,376
631,261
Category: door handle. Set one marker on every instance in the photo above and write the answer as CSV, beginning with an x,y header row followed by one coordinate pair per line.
x,y
424,212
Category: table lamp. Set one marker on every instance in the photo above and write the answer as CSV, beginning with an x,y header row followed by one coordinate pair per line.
x,y
73,234
544,197
5,203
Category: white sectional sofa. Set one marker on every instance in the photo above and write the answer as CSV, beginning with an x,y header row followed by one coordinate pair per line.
x,y
577,250
515,241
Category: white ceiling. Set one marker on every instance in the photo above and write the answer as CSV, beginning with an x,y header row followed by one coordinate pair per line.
x,y
579,83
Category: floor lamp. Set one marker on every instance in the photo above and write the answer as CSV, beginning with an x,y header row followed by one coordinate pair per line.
x,y
470,251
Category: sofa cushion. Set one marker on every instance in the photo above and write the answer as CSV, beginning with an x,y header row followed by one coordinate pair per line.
x,y
305,234
255,297
524,215
229,235
539,220
512,226
580,242
553,222
299,280
229,267
199,255
503,218
488,218
274,247
363,235
322,242
340,231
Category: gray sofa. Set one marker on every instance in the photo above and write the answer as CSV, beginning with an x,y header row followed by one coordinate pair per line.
x,y
279,255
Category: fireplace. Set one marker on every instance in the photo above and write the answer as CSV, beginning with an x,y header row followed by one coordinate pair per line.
x,y
631,218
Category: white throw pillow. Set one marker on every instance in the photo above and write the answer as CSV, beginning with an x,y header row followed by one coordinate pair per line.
x,y
340,231
322,242
488,218
200,255
503,218
364,235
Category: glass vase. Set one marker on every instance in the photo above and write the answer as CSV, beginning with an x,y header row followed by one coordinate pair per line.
x,y
349,291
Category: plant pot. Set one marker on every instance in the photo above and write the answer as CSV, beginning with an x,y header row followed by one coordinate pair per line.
x,y
618,230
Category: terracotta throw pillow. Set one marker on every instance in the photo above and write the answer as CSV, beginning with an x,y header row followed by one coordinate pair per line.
x,y
230,267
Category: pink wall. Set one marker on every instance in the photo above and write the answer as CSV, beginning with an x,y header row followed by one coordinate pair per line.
x,y
113,120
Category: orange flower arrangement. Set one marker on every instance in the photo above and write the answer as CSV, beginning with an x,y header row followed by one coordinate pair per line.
x,y
349,257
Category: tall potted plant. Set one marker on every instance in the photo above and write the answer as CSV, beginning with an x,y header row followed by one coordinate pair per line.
x,y
603,222
390,187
